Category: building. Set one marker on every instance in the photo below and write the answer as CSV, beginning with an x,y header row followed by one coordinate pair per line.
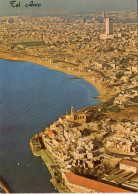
x,y
121,145
84,20
79,184
103,14
109,26
35,143
133,185
129,166
109,29
73,117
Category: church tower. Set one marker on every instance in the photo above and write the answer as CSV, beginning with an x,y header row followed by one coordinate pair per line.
x,y
72,113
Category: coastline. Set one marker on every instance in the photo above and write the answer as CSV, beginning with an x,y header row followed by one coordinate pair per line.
x,y
105,93
46,156
49,159
51,162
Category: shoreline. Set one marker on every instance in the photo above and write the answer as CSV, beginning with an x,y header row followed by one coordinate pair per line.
x,y
50,161
104,94
47,157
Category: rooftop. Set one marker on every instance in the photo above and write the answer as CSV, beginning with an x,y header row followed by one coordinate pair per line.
x,y
129,163
92,184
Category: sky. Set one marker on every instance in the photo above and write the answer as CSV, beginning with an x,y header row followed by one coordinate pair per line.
x,y
71,5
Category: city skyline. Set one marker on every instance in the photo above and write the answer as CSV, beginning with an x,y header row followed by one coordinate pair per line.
x,y
77,5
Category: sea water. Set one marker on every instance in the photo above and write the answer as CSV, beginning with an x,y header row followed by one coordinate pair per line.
x,y
32,97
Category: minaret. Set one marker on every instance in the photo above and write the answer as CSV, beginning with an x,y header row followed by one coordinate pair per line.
x,y
72,113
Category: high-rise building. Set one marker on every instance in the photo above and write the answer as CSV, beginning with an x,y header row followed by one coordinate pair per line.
x,y
109,29
109,26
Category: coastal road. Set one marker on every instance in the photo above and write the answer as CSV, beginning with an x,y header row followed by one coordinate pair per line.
x,y
46,157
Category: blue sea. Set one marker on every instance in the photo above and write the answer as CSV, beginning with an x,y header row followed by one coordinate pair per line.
x,y
32,97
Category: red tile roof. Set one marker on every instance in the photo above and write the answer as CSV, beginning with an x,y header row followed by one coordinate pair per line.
x,y
92,184
129,163
50,132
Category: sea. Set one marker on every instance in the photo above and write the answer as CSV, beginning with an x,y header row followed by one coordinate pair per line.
x,y
31,98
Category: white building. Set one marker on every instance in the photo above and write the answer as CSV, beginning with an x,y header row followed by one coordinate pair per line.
x,y
109,26
109,30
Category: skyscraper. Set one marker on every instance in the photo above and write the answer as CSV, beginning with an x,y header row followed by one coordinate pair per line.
x,y
109,26
109,29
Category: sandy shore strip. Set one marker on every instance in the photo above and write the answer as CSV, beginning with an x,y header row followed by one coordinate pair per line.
x,y
105,93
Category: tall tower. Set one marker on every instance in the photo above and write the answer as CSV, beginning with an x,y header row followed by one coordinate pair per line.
x,y
72,113
109,26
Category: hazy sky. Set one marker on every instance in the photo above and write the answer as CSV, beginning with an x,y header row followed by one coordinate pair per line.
x,y
79,5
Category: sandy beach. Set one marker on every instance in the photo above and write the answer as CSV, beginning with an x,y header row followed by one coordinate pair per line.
x,y
105,93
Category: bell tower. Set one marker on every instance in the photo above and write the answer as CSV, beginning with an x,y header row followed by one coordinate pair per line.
x,y
72,113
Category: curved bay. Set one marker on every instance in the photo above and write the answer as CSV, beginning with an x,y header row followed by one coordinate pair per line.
x,y
32,97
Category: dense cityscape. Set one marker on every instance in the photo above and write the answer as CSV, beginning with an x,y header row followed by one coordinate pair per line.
x,y
98,144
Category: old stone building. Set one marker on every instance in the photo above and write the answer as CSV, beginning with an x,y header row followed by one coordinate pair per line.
x,y
74,117
129,166
121,145
35,143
